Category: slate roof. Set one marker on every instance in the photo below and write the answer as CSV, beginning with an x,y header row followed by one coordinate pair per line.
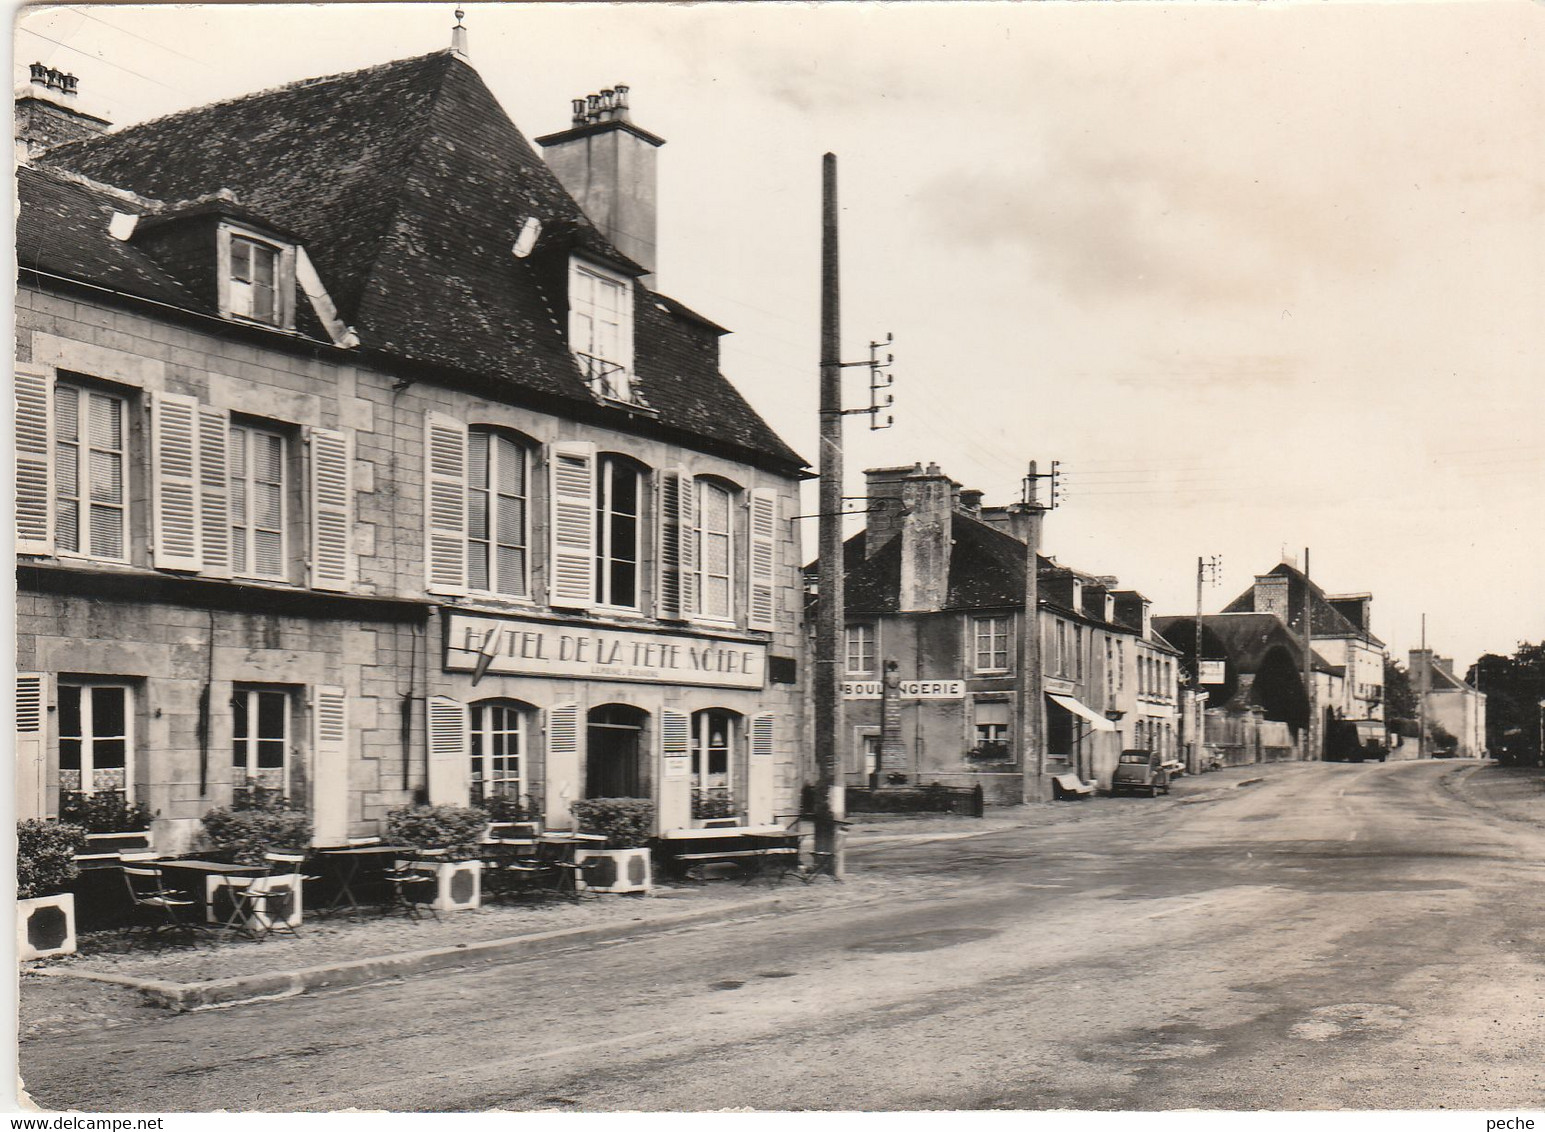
x,y
1326,619
408,184
1244,638
986,572
65,233
1440,679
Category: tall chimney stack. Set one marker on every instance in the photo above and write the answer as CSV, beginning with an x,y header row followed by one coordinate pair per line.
x,y
47,113
609,165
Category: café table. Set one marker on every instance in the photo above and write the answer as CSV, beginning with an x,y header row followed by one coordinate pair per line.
x,y
193,877
342,866
744,846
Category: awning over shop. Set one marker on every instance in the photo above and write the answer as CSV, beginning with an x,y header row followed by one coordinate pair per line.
x,y
1097,722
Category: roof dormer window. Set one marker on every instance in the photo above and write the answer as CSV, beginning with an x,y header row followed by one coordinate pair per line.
x,y
257,278
601,330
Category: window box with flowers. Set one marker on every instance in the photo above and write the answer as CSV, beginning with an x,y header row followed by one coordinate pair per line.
x,y
112,824
990,751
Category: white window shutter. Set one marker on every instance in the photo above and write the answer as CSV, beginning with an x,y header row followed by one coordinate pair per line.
x,y
676,545
445,504
762,735
571,576
762,562
214,480
450,773
331,498
675,741
561,771
175,490
31,795
34,459
329,765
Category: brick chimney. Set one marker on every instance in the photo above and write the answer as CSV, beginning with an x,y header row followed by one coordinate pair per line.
x,y
47,113
883,488
1272,595
926,538
608,165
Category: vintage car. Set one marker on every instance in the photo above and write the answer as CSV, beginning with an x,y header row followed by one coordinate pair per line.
x,y
1140,771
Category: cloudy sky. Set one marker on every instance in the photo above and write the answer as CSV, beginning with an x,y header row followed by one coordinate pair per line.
x,y
1261,277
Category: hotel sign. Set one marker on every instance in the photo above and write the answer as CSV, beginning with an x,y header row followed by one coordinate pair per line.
x,y
908,689
506,646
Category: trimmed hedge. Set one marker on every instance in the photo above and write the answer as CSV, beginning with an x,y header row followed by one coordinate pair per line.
x,y
458,829
628,823
45,856
258,821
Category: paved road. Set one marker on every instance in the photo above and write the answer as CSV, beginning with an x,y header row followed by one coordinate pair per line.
x,y
1335,936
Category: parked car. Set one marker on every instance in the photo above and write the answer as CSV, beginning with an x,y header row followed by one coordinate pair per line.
x,y
1140,770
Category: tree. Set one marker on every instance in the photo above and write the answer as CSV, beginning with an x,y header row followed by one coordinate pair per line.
x,y
1514,686
1399,699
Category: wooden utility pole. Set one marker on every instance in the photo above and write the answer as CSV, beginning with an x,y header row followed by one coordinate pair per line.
x,y
1421,702
1311,732
829,801
1032,701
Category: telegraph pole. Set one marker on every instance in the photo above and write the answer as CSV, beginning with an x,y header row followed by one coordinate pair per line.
x,y
1311,733
830,803
1421,703
1032,702
1193,734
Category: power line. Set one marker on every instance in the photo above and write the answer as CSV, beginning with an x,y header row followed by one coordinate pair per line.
x,y
100,59
133,35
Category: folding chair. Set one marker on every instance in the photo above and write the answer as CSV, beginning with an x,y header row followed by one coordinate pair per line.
x,y
270,903
407,881
157,907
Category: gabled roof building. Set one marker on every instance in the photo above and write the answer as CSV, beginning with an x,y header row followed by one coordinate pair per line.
x,y
934,595
360,456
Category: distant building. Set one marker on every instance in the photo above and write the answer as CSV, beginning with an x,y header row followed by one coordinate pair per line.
x,y
935,592
1451,704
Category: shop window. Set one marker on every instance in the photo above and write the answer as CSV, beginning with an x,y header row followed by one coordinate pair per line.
x,y
95,738
860,650
992,730
991,644
498,748
498,515
262,728
257,461
90,473
618,495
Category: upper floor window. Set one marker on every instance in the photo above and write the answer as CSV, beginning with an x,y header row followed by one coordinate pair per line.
x,y
498,519
618,497
90,473
991,644
714,550
256,278
256,460
601,329
860,650
95,740
1078,652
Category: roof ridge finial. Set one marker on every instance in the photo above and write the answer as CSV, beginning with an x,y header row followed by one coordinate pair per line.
x,y
459,37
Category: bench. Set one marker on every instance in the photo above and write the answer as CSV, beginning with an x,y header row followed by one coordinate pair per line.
x,y
1071,787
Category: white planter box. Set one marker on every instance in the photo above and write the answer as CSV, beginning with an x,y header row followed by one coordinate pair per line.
x,y
627,870
283,907
458,884
45,926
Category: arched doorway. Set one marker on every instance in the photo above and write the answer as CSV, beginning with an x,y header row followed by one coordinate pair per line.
x,y
615,763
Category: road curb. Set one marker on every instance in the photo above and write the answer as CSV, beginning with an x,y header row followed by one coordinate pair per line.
x,y
357,972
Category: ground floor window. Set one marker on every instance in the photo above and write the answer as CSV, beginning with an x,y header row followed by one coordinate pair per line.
x,y
992,730
261,728
498,750
95,741
714,733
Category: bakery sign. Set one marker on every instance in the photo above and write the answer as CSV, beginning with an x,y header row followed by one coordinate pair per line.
x,y
506,646
906,689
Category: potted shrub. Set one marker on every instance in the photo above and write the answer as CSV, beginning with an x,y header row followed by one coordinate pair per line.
x,y
259,820
45,866
459,831
112,823
628,826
